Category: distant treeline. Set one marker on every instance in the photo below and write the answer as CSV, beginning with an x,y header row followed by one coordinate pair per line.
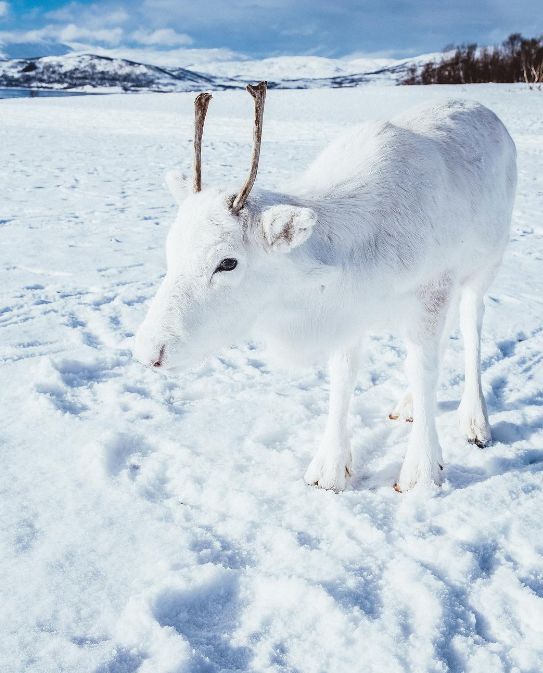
x,y
517,59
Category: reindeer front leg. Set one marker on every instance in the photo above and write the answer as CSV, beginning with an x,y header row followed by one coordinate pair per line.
x,y
423,461
332,463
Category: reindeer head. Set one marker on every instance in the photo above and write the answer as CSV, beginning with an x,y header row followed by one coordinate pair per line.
x,y
219,270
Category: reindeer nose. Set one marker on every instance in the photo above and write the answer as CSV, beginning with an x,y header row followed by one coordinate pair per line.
x,y
151,349
158,361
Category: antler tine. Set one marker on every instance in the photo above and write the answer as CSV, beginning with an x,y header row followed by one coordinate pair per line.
x,y
200,110
258,92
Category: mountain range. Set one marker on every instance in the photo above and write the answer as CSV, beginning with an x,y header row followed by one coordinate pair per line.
x,y
79,71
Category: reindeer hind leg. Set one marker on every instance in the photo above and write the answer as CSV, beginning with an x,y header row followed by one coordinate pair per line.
x,y
472,412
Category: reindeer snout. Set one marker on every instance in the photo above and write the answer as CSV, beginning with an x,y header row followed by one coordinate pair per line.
x,y
159,360
149,351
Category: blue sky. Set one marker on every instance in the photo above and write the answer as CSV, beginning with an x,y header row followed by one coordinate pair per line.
x,y
270,27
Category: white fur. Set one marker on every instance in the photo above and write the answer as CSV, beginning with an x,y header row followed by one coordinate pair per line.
x,y
178,185
286,227
393,224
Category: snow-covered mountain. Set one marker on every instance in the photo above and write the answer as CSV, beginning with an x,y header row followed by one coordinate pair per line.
x,y
280,68
312,72
89,71
81,71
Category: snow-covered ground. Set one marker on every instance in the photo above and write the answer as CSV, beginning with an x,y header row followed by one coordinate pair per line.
x,y
162,525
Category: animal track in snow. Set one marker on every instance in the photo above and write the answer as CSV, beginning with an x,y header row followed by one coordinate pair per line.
x,y
124,451
206,615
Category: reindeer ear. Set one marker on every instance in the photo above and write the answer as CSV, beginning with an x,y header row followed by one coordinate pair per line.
x,y
178,185
285,227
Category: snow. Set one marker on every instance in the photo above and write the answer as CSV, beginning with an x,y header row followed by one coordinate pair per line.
x,y
306,68
291,67
162,525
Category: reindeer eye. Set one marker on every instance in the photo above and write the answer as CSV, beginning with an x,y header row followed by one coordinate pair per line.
x,y
228,264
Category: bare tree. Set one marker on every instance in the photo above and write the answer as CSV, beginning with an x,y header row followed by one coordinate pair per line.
x,y
517,59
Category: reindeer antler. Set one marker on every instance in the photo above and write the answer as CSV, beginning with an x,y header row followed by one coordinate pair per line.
x,y
258,92
200,110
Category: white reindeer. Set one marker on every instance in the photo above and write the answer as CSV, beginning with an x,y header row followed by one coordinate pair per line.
x,y
389,227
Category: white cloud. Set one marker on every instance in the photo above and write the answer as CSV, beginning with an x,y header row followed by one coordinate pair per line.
x,y
72,32
69,33
93,16
163,37
11,37
4,9
115,17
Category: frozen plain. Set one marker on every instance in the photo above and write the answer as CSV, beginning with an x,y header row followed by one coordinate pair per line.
x,y
162,525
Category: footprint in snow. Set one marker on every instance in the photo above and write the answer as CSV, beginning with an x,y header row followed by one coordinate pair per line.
x,y
123,661
124,451
206,615
78,373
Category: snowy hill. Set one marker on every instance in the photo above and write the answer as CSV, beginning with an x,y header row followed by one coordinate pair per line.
x,y
88,71
289,67
80,71
156,524
305,72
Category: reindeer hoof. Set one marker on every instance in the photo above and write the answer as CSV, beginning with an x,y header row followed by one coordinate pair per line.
x,y
418,474
481,444
474,424
403,410
395,417
328,473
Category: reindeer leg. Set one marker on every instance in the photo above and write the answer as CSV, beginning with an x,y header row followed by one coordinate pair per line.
x,y
423,461
473,416
332,463
403,410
